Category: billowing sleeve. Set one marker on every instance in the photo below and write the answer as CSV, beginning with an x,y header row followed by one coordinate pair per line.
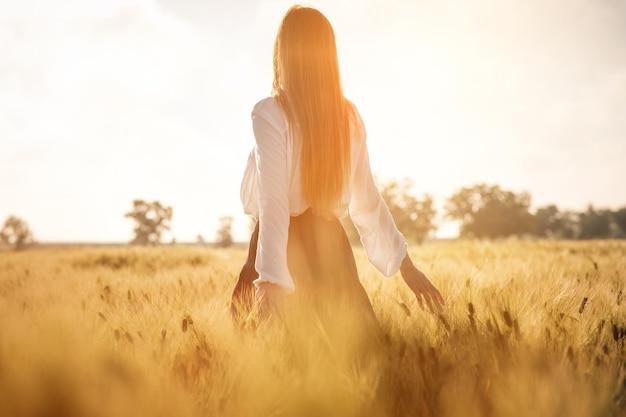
x,y
384,244
273,203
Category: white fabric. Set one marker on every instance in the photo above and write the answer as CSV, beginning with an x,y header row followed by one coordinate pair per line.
x,y
270,191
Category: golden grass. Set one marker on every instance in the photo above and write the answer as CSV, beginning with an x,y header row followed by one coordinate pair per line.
x,y
530,329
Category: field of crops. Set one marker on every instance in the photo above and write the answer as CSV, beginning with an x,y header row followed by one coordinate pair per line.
x,y
529,329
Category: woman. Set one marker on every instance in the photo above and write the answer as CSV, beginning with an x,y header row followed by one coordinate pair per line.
x,y
309,167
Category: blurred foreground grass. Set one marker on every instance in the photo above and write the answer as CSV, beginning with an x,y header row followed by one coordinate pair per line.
x,y
530,329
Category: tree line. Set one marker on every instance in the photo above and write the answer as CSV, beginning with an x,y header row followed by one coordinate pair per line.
x,y
483,211
489,212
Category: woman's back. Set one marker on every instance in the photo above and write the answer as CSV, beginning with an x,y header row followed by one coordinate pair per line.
x,y
271,192
289,148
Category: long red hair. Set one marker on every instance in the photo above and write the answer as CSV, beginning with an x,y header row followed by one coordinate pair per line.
x,y
307,85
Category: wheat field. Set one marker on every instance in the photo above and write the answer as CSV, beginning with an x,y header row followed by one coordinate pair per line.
x,y
529,329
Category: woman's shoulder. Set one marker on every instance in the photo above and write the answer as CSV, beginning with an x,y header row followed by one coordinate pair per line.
x,y
267,102
267,108
267,116
357,127
270,110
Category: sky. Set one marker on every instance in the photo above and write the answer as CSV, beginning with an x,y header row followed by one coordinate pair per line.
x,y
107,101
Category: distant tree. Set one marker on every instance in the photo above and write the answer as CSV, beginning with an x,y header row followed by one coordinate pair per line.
x,y
595,224
619,217
569,225
487,211
224,233
552,223
151,220
200,239
547,221
16,233
413,217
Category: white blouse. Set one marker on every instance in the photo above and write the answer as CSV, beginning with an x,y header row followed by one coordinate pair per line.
x,y
270,191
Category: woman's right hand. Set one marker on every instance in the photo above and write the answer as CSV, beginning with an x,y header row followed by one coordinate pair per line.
x,y
270,298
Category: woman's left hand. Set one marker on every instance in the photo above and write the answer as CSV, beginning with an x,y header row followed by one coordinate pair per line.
x,y
424,290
